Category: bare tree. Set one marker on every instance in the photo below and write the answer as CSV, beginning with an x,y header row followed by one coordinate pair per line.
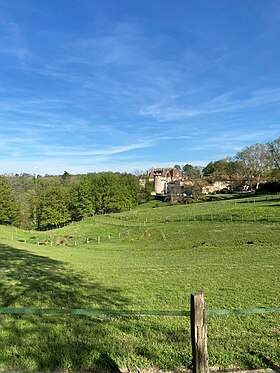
x,y
274,152
255,162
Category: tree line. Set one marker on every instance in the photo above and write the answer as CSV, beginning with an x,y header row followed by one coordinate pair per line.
x,y
29,201
254,163
47,202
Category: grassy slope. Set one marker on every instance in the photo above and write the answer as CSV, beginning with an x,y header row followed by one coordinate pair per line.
x,y
143,262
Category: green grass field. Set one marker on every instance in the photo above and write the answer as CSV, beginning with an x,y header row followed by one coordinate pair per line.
x,y
145,259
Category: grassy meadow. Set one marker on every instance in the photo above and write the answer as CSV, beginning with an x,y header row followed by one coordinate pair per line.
x,y
150,258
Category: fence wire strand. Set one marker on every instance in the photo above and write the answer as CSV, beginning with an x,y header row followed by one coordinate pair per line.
x,y
88,312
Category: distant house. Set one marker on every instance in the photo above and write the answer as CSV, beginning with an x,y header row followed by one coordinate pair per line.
x,y
215,187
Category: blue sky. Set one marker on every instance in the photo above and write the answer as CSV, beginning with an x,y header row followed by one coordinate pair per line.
x,y
95,85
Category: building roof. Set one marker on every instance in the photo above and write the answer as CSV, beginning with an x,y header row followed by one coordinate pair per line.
x,y
173,173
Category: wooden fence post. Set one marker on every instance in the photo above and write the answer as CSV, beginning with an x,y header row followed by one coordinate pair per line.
x,y
199,334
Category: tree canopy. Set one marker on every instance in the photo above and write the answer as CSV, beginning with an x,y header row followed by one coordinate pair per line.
x,y
190,171
255,162
9,209
274,152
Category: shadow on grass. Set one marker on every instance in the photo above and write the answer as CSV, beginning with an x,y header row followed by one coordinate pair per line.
x,y
71,343
267,362
51,342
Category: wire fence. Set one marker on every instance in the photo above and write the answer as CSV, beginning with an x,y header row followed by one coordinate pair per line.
x,y
224,217
89,312
127,221
196,313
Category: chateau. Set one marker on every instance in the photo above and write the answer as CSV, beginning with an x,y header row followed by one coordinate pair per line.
x,y
171,181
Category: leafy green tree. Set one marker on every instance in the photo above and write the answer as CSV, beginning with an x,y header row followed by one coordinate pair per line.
x,y
52,207
209,169
146,190
234,168
23,186
9,209
178,167
131,187
190,171
80,200
216,168
110,194
223,168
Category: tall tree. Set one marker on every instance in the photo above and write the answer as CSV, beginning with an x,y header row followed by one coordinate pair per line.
x,y
190,171
131,187
178,167
255,162
234,167
223,167
80,199
52,208
109,193
209,169
274,153
9,209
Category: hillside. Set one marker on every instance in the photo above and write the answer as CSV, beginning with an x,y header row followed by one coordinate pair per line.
x,y
145,259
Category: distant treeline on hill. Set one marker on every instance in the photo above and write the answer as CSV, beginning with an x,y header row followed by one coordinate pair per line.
x,y
47,202
254,163
30,201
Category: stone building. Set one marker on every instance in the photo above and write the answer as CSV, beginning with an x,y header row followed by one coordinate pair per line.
x,y
162,177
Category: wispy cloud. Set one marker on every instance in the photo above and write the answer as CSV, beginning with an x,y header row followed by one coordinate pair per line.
x,y
229,142
12,41
220,104
106,151
126,91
